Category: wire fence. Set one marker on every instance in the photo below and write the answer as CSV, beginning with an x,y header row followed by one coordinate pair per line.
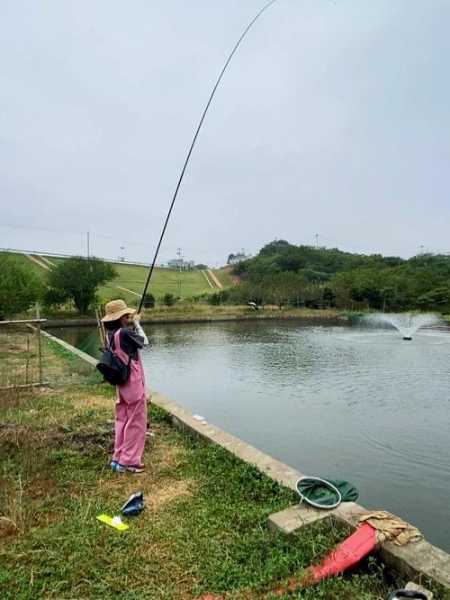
x,y
21,361
30,358
61,366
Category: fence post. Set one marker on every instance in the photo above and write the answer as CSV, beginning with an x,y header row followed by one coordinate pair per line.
x,y
38,316
27,364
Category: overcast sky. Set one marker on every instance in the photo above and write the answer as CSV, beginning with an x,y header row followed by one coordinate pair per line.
x,y
334,118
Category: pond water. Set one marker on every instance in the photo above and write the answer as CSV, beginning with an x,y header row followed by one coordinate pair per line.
x,y
333,401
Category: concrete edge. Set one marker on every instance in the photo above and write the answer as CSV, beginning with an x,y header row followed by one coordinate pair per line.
x,y
182,418
83,355
413,587
421,562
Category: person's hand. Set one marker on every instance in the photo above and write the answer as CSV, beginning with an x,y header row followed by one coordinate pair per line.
x,y
137,318
139,330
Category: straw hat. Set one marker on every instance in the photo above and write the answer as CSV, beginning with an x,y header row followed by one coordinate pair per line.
x,y
115,310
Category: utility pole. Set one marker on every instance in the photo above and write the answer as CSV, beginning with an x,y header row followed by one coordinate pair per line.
x,y
179,254
88,244
317,240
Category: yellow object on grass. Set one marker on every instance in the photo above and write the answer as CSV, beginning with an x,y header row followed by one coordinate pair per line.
x,y
114,522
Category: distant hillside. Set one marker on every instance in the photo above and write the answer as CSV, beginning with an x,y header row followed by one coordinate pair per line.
x,y
284,273
316,264
130,281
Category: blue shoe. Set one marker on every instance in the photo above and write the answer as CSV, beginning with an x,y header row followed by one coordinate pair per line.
x,y
116,467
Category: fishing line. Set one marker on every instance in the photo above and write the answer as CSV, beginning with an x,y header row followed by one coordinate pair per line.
x,y
194,139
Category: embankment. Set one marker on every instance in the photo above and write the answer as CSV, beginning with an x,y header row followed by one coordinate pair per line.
x,y
421,561
205,314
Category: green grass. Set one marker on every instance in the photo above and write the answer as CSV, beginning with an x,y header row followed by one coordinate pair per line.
x,y
184,284
40,272
204,529
61,366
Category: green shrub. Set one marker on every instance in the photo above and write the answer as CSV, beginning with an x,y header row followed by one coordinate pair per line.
x,y
20,287
219,298
149,301
169,299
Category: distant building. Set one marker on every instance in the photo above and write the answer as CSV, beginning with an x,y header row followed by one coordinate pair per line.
x,y
234,259
181,264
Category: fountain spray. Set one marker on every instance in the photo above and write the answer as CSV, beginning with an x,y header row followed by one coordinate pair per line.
x,y
407,324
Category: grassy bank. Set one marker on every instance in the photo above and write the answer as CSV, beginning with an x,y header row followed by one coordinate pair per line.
x,y
188,311
130,280
205,312
204,529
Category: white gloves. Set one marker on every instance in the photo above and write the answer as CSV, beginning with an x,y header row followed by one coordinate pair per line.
x,y
140,332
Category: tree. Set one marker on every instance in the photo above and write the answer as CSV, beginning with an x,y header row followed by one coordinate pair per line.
x,y
436,299
149,301
169,299
329,297
20,286
275,247
219,298
330,277
280,288
78,279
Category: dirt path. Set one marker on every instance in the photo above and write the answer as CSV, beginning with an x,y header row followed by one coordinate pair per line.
x,y
37,262
208,279
215,280
47,261
124,289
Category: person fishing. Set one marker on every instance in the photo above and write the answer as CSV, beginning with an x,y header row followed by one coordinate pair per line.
x,y
125,337
125,341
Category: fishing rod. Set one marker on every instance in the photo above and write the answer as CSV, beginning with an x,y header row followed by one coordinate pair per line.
x,y
194,140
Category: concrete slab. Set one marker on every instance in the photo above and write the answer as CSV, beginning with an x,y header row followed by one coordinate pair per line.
x,y
296,517
299,515
420,561
418,588
349,513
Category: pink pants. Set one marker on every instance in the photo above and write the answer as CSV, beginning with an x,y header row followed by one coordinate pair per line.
x,y
131,427
131,415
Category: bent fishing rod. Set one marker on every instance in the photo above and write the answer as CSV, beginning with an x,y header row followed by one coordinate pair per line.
x,y
194,140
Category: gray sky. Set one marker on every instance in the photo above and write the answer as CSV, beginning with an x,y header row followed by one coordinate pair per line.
x,y
334,118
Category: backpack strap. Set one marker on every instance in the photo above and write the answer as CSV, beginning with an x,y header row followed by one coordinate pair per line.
x,y
117,345
110,342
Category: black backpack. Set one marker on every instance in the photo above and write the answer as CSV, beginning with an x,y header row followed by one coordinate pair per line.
x,y
113,369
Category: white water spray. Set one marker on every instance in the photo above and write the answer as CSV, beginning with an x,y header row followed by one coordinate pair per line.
x,y
408,324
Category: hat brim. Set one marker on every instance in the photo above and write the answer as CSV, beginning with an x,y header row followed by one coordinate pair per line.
x,y
118,315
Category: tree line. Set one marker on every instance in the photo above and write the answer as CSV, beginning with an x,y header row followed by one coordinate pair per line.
x,y
73,282
285,274
281,274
